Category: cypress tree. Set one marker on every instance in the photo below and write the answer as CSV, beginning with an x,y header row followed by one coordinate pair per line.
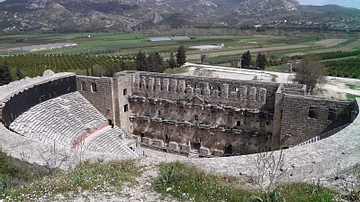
x,y
246,60
261,61
141,62
180,56
172,61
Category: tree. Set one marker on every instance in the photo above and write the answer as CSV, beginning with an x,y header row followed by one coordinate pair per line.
x,y
246,60
180,56
261,61
5,76
172,61
155,62
203,58
20,74
110,71
141,61
97,70
310,72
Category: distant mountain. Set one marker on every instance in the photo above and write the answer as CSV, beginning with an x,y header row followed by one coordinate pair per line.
x,y
127,15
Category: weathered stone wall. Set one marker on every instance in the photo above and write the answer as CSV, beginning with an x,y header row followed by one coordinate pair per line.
x,y
122,89
99,92
234,116
243,94
229,115
202,124
39,91
303,117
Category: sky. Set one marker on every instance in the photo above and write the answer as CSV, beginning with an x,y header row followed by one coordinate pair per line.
x,y
346,3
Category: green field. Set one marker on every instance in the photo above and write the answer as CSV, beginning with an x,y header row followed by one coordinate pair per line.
x,y
125,46
104,43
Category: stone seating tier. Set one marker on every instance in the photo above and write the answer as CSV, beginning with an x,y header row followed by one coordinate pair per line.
x,y
111,141
63,119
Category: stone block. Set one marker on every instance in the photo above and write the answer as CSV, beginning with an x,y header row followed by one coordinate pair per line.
x,y
173,145
218,153
146,140
158,143
204,151
185,148
137,138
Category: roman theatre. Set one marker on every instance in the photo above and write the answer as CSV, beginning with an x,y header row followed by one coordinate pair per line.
x,y
224,123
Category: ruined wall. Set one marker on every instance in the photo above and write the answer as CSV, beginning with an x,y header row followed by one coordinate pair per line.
x,y
35,94
303,117
243,94
122,89
234,116
212,126
99,92
238,117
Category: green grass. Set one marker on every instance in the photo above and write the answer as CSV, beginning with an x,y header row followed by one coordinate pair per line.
x,y
302,192
188,183
184,182
95,177
353,86
350,96
14,172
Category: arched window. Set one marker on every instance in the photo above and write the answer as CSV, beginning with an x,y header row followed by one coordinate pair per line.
x,y
93,87
83,86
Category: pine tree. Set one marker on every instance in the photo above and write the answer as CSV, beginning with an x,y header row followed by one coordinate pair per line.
x,y
180,56
172,61
246,60
5,76
261,61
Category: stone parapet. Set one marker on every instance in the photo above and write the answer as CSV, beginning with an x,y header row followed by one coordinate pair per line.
x,y
173,145
186,148
218,153
158,143
137,138
204,151
147,140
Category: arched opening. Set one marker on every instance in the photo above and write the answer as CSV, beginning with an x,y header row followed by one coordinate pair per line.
x,y
93,87
228,149
83,86
111,123
142,135
167,139
196,143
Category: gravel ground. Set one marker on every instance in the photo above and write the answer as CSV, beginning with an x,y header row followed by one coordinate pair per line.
x,y
142,191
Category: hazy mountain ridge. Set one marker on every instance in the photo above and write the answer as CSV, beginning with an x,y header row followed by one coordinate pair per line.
x,y
122,15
